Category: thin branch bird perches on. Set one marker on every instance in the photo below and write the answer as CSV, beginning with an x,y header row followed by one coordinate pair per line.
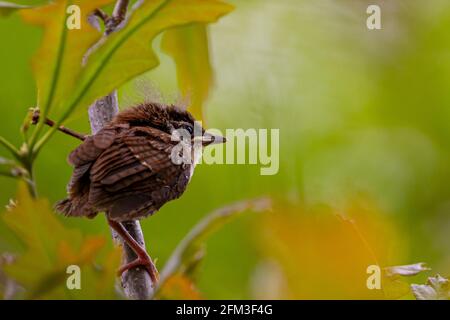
x,y
136,282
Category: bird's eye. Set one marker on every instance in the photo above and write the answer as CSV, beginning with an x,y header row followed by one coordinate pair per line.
x,y
188,128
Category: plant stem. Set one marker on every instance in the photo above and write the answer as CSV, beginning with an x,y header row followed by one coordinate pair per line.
x,y
26,161
31,183
8,145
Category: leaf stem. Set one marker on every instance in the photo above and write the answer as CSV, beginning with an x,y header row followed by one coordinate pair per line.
x,y
31,183
11,148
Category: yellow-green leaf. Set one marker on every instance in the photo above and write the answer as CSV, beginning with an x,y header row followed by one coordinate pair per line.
x,y
188,46
128,53
57,62
6,8
49,248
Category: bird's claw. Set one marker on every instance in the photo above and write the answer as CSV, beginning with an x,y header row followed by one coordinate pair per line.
x,y
144,262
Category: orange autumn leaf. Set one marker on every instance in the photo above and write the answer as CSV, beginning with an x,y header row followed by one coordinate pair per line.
x,y
179,287
50,248
325,256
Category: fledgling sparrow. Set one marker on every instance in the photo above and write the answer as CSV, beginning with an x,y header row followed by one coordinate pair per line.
x,y
127,169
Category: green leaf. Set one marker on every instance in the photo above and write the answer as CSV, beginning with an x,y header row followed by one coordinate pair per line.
x,y
49,248
57,62
127,53
437,288
188,46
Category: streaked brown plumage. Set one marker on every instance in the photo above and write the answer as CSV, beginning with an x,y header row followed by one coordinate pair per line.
x,y
126,170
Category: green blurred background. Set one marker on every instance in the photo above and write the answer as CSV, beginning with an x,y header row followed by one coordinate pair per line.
x,y
362,114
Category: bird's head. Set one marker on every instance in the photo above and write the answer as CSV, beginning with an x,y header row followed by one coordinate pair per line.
x,y
168,119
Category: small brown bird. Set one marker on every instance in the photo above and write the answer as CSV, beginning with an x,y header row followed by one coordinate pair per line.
x,y
127,169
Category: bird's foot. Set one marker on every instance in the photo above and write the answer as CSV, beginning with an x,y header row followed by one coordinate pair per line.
x,y
142,260
145,262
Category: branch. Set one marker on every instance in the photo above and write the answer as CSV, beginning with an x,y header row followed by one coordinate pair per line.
x,y
50,123
119,13
118,16
102,15
136,282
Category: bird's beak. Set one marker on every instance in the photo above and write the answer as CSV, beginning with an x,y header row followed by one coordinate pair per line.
x,y
209,138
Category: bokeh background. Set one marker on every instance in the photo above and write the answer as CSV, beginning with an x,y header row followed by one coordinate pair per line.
x,y
364,146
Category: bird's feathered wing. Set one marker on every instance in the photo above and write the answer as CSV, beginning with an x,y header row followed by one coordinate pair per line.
x,y
126,172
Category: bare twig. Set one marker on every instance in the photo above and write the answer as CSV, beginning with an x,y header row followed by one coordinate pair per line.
x,y
51,123
189,250
120,10
102,15
118,16
136,282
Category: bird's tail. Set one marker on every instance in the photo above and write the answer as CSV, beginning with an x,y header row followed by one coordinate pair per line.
x,y
75,208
